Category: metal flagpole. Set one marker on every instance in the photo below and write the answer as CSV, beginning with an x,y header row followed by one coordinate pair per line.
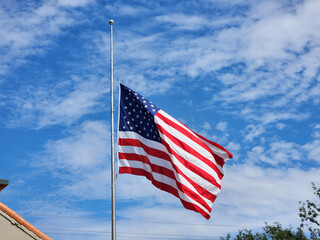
x,y
112,137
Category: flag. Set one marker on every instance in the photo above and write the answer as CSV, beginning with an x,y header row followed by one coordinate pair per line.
x,y
175,159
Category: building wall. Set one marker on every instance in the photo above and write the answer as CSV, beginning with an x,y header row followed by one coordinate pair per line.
x,y
12,230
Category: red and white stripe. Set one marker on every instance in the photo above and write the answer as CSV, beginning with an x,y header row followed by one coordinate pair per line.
x,y
184,164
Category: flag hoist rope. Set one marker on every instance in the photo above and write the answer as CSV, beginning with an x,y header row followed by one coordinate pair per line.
x,y
112,137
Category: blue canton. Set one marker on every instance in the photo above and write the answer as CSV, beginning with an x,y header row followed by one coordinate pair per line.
x,y
137,114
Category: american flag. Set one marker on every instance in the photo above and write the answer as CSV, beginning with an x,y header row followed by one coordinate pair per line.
x,y
173,157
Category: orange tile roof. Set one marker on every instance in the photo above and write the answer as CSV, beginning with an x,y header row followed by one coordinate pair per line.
x,y
23,222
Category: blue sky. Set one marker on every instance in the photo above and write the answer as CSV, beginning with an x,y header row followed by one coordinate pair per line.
x,y
242,73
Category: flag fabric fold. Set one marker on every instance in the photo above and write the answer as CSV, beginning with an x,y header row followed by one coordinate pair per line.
x,y
175,159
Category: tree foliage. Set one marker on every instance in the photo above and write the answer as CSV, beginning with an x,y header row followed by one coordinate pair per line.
x,y
309,213
270,232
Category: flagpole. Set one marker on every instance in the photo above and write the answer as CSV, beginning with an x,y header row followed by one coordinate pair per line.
x,y
112,137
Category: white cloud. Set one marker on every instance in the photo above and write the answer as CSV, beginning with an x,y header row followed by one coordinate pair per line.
x,y
85,148
206,126
254,131
79,160
58,219
273,116
280,126
288,154
234,149
183,21
268,53
42,107
279,153
27,28
124,9
75,3
313,150
222,126
316,132
254,194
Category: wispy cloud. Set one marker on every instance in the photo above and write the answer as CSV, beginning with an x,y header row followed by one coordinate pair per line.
x,y
60,220
261,54
254,131
80,159
28,28
121,8
75,3
276,191
313,150
286,154
64,103
184,22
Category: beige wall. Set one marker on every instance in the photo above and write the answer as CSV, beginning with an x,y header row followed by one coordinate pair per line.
x,y
11,230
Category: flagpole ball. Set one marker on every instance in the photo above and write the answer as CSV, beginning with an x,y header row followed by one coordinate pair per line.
x,y
111,22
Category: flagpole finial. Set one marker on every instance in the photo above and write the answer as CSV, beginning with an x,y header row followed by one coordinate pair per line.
x,y
111,22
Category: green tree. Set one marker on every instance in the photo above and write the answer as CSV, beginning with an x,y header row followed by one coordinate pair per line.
x,y
270,232
309,213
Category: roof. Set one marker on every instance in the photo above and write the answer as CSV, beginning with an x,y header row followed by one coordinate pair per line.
x,y
23,222
3,183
